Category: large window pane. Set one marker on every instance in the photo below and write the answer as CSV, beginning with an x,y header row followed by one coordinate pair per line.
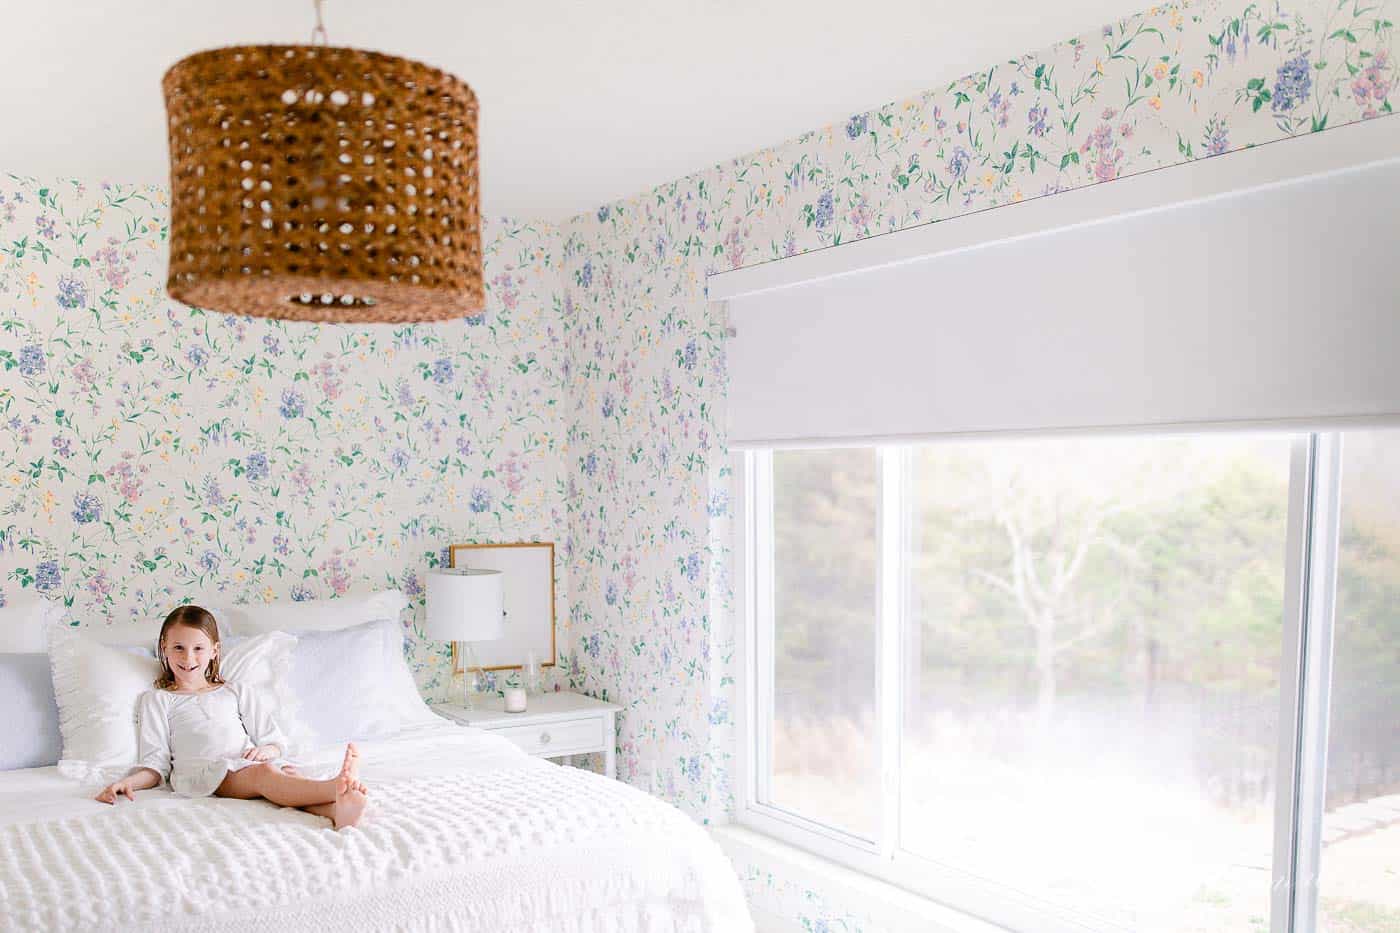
x,y
1359,888
1093,692
823,757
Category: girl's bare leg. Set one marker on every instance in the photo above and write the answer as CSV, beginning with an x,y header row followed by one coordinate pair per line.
x,y
342,799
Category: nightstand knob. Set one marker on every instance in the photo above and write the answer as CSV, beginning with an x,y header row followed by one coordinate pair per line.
x,y
544,738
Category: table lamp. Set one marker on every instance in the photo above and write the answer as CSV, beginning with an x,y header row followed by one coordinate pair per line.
x,y
466,606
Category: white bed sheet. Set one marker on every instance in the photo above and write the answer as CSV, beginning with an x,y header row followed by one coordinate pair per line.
x,y
465,832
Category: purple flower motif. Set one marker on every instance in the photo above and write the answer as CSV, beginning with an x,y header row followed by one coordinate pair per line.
x,y
690,355
1217,138
1292,83
271,345
691,567
585,275
255,466
412,586
302,593
590,464
1036,118
400,459
71,292
609,405
293,404
86,508
481,500
31,360
442,371
610,593
406,399
198,357
719,503
213,495
824,211
45,225
281,544
957,165
47,576
603,213
591,646
856,126
209,562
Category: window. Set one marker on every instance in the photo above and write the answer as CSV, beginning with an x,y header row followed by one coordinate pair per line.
x,y
1068,684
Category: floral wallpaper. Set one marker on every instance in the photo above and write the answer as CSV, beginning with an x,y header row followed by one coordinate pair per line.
x,y
151,453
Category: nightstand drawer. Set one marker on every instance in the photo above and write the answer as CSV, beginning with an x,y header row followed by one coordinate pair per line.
x,y
583,734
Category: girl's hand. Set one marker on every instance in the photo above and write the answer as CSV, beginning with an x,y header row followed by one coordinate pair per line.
x,y
262,753
116,789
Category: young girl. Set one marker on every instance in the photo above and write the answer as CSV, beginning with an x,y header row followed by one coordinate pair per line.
x,y
207,736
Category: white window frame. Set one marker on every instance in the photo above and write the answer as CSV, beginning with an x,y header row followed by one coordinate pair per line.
x,y
1310,594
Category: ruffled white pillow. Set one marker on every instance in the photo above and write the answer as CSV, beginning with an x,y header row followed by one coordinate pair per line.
x,y
97,687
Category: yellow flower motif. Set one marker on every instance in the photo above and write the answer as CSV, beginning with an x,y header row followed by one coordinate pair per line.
x,y
1198,78
1155,101
1098,66
240,576
16,479
1017,195
267,594
1160,71
989,179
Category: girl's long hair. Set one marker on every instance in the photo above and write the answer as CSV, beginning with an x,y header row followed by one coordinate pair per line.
x,y
191,617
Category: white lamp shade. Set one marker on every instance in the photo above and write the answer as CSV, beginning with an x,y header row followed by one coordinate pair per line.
x,y
466,605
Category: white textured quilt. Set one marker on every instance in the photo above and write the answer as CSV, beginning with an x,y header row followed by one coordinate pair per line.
x,y
465,833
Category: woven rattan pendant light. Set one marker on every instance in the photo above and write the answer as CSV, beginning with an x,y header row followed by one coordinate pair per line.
x,y
312,183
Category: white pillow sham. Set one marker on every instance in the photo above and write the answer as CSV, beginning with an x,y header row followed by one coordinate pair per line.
x,y
353,684
314,615
97,686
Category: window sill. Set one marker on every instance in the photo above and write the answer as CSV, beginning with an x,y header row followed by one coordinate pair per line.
x,y
887,906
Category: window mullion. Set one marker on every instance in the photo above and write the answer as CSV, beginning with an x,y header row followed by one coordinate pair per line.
x,y
761,513
1305,680
890,525
1316,679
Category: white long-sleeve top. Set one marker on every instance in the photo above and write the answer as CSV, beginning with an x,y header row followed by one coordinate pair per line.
x,y
193,740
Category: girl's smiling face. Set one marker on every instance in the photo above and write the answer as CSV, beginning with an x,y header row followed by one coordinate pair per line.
x,y
188,652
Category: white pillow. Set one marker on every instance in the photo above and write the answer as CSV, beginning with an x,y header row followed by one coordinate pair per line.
x,y
24,626
315,615
353,684
97,687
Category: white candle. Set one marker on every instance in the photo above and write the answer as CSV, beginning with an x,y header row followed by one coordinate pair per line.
x,y
515,699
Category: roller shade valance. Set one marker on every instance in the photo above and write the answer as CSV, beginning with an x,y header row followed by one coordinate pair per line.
x,y
1273,304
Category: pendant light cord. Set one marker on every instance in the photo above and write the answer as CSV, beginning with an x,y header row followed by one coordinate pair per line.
x,y
318,34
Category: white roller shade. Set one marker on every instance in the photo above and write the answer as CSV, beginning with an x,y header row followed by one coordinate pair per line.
x,y
1276,304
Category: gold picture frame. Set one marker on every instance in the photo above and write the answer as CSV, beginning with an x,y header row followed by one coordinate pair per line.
x,y
481,556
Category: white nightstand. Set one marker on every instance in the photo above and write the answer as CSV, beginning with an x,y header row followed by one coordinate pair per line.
x,y
554,725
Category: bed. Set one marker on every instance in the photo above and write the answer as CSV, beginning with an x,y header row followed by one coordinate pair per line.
x,y
465,832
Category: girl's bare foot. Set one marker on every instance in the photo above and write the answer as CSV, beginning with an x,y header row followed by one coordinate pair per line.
x,y
350,794
350,767
349,806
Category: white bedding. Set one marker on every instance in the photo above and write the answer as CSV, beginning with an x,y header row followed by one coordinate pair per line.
x,y
465,832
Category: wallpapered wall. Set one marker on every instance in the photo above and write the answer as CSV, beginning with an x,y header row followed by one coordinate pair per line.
x,y
151,454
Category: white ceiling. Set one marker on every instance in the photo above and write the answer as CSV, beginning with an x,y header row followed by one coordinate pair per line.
x,y
582,103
